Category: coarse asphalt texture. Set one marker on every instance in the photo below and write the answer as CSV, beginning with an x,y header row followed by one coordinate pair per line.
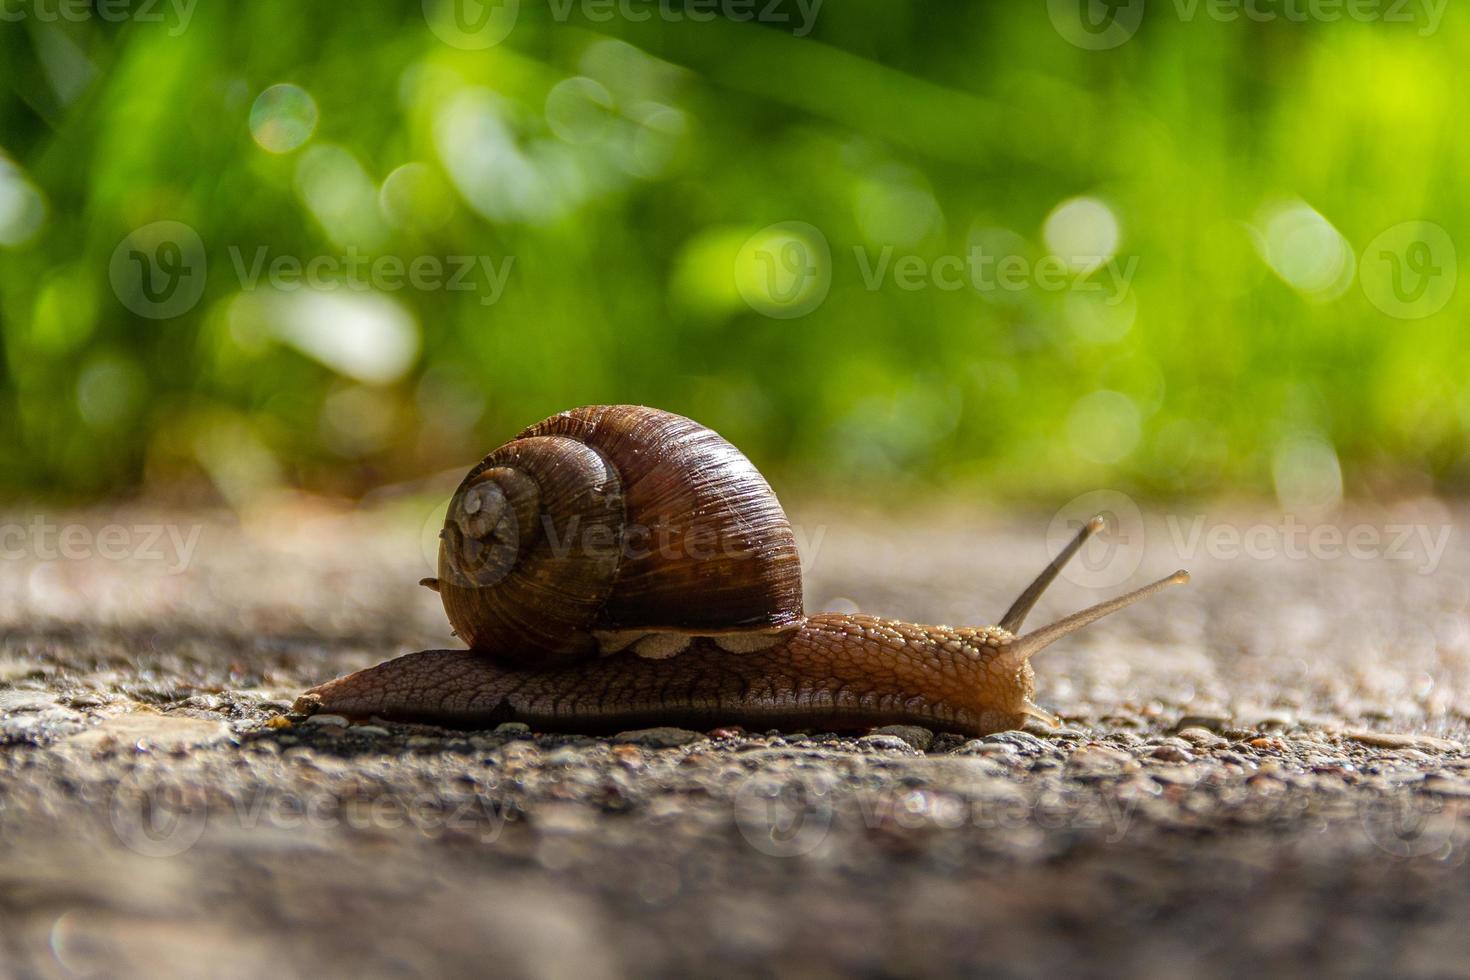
x,y
1268,769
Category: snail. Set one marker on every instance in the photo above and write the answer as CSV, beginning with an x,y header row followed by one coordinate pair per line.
x,y
617,567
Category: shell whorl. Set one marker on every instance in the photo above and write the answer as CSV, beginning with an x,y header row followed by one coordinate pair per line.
x,y
614,520
530,549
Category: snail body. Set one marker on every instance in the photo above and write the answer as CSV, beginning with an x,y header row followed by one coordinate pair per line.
x,y
616,567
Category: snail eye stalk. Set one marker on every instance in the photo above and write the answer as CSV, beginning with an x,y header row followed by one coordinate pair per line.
x,y
1023,648
1016,615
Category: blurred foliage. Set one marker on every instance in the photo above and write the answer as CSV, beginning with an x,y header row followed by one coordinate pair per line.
x,y
622,167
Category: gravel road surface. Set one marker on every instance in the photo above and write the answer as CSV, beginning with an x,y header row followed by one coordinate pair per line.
x,y
1268,769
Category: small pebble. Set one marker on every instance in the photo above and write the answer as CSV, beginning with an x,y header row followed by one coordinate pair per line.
x,y
1020,741
1393,740
149,729
1210,722
887,743
327,720
660,738
1446,785
1202,738
1268,720
919,738
278,722
978,746
946,742
513,729
1171,753
1174,777
1097,760
24,701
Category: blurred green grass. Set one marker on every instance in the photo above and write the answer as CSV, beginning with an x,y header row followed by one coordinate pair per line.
x,y
624,170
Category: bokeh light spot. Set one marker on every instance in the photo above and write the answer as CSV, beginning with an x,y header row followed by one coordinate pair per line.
x,y
366,336
1104,426
579,109
358,420
784,270
895,208
992,248
661,129
1308,476
283,118
1305,250
340,194
22,209
701,282
416,197
65,312
1083,232
1100,318
110,391
478,139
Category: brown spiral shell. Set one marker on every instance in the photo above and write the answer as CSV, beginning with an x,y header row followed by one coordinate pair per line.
x,y
614,521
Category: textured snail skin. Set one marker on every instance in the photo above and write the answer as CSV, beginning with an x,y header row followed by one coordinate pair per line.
x,y
838,672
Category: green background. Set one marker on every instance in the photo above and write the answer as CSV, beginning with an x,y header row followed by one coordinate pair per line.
x,y
630,166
